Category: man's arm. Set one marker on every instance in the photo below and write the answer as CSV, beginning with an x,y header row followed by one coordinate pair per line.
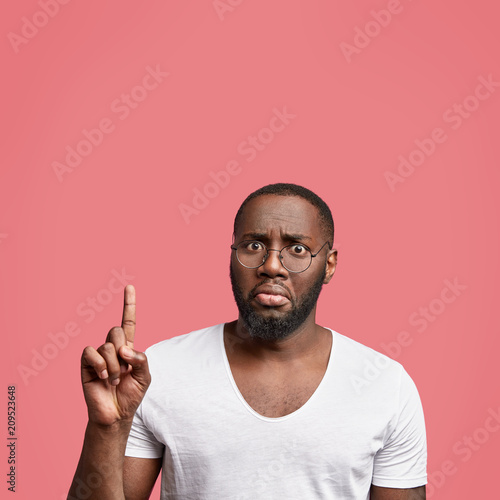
x,y
139,477
115,379
378,493
104,471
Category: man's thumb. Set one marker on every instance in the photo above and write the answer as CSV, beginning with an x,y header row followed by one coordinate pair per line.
x,y
139,363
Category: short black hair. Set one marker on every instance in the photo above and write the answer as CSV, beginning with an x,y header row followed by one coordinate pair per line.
x,y
284,189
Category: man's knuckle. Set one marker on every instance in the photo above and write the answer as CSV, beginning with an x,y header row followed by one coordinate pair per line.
x,y
106,348
100,364
115,334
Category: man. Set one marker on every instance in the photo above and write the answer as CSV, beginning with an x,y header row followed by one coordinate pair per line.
x,y
269,406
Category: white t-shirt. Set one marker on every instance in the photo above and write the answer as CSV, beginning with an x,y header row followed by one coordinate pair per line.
x,y
363,425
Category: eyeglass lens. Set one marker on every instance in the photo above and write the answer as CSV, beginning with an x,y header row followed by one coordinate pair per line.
x,y
295,258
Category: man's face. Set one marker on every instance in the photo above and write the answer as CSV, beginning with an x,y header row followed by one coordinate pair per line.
x,y
272,301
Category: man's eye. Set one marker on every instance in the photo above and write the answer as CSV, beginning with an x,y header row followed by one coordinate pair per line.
x,y
254,246
298,249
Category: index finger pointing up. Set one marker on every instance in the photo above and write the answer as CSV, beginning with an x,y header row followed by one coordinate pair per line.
x,y
128,318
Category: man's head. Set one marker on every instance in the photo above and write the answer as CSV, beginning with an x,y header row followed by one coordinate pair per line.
x,y
274,301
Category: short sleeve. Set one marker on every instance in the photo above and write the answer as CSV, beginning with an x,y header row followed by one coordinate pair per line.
x,y
141,441
402,462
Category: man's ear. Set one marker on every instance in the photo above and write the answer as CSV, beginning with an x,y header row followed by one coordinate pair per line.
x,y
331,265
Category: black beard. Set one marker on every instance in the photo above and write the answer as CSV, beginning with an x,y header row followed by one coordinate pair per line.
x,y
274,329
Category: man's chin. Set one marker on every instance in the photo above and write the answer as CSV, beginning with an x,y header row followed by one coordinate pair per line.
x,y
271,311
271,326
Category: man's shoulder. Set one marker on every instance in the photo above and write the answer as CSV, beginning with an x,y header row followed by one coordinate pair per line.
x,y
356,346
355,356
370,373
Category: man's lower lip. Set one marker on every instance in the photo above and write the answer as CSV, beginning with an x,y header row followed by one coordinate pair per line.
x,y
267,299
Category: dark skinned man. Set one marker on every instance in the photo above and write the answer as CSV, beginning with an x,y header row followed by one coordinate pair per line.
x,y
269,406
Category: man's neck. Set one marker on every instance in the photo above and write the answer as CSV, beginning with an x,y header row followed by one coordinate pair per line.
x,y
308,341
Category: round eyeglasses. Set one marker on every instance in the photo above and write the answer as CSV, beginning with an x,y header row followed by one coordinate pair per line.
x,y
295,258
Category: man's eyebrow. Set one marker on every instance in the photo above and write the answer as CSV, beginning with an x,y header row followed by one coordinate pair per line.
x,y
295,237
254,236
287,237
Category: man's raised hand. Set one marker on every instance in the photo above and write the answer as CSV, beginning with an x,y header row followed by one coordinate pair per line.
x,y
115,377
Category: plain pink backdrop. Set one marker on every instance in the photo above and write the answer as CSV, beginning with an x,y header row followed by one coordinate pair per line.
x,y
358,101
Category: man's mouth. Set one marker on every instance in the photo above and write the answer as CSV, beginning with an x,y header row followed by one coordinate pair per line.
x,y
271,295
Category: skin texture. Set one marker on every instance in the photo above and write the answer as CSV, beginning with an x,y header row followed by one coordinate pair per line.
x,y
377,493
276,377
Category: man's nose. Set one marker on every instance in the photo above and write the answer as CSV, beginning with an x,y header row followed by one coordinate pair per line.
x,y
272,266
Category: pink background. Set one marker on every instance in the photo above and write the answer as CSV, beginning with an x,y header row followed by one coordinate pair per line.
x,y
355,113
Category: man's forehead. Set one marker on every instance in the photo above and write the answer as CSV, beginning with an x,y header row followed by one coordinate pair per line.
x,y
290,215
